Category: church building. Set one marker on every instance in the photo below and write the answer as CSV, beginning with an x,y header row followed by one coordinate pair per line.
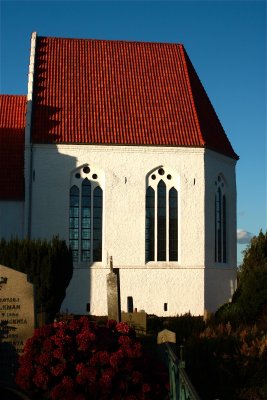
x,y
117,149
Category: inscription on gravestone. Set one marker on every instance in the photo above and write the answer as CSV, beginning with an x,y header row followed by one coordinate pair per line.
x,y
16,319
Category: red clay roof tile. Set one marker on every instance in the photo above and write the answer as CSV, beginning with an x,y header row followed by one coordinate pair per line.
x,y
116,92
12,126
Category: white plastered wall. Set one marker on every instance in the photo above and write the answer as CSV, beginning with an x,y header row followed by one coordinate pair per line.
x,y
125,170
11,219
220,278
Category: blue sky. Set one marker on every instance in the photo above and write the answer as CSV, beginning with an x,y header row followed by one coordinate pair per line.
x,y
225,40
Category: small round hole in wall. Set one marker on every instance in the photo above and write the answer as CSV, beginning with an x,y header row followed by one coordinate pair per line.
x,y
169,177
161,171
153,177
94,176
86,170
78,175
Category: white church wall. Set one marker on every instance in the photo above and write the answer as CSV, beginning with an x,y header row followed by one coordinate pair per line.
x,y
220,278
181,289
11,219
216,165
123,173
124,186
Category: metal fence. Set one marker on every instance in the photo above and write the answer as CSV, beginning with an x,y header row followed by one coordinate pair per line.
x,y
181,387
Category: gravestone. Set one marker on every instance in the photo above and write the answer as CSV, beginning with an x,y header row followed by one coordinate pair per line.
x,y
113,293
166,336
137,320
16,319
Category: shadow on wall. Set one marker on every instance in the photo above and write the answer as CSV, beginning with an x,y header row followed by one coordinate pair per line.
x,y
219,286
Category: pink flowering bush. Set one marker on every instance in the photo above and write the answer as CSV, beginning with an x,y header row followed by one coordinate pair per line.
x,y
80,360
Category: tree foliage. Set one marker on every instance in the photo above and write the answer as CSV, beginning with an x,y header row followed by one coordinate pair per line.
x,y
48,265
255,256
249,302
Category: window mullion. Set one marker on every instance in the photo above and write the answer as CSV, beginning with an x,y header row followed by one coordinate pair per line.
x,y
92,224
156,225
167,223
80,227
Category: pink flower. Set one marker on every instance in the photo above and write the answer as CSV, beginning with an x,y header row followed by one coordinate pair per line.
x,y
84,340
41,378
125,340
58,353
47,345
137,377
106,378
101,362
103,357
44,359
116,359
111,324
146,388
58,369
74,325
86,374
80,367
59,325
122,327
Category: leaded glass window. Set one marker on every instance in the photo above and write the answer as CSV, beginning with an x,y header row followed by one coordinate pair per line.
x,y
85,217
161,228
161,251
86,221
150,224
173,224
97,224
220,222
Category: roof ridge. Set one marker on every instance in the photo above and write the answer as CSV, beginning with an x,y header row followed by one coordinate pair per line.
x,y
12,95
111,40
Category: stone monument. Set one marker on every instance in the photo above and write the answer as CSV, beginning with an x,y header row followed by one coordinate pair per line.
x,y
113,293
17,319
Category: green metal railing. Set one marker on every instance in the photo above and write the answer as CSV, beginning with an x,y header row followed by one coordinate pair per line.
x,y
181,387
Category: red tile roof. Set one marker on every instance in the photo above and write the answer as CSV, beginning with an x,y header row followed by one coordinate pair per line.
x,y
12,125
126,93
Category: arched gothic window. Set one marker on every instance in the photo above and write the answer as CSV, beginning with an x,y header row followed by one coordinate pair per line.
x,y
85,218
161,218
220,221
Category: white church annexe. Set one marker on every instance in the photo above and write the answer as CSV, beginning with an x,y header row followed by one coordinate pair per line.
x,y
124,158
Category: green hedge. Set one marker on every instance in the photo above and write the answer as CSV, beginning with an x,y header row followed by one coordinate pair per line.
x,y
48,265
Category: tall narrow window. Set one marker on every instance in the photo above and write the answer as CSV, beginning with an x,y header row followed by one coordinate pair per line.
x,y
97,224
150,224
161,221
86,221
224,229
86,215
161,217
220,222
173,224
74,222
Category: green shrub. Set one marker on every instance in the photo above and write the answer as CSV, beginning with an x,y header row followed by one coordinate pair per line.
x,y
48,265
